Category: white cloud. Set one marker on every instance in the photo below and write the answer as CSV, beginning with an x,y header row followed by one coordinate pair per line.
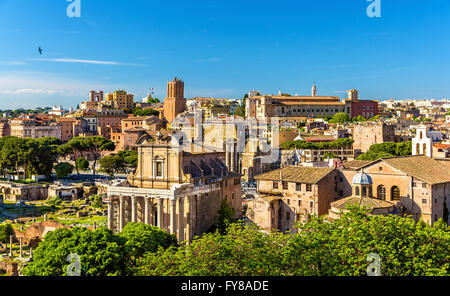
x,y
13,63
32,89
212,60
29,91
82,61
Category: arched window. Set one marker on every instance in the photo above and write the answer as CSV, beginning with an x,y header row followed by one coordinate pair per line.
x,y
357,191
421,135
424,149
395,193
381,192
364,191
418,149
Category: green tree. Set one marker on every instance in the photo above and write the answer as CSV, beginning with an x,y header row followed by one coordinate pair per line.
x,y
51,142
75,147
319,248
341,248
386,149
101,253
225,217
360,119
340,118
112,165
82,163
63,169
97,145
6,230
142,238
54,201
241,251
144,112
372,156
96,200
130,157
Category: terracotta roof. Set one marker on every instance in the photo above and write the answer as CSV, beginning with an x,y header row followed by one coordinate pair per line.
x,y
330,103
441,146
296,174
421,167
356,164
369,202
318,138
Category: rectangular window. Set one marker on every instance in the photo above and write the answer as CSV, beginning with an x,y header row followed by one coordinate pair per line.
x,y
424,185
275,185
288,216
299,202
298,187
288,201
308,187
424,201
159,169
285,185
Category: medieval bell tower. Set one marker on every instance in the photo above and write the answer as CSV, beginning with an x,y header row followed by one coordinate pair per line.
x,y
175,103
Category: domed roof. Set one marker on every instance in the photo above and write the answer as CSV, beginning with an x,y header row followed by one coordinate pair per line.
x,y
362,178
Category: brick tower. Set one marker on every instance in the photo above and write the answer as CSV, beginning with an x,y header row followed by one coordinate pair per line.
x,y
175,103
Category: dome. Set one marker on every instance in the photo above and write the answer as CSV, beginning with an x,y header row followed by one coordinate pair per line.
x,y
362,178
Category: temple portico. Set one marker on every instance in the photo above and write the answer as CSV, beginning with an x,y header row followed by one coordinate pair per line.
x,y
172,210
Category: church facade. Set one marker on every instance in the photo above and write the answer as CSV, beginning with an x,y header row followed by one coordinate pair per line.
x,y
176,190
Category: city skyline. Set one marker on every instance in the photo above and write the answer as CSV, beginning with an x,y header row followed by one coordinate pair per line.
x,y
221,49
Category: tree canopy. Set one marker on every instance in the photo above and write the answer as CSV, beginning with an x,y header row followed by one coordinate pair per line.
x,y
340,118
102,253
112,165
35,157
386,149
300,145
320,248
63,169
144,112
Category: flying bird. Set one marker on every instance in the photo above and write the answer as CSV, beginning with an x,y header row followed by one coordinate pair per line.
x,y
40,50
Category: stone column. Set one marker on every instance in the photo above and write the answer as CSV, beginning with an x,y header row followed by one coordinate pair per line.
x,y
121,213
173,216
181,219
110,215
227,155
133,209
21,244
189,232
116,207
160,212
233,158
147,210
10,246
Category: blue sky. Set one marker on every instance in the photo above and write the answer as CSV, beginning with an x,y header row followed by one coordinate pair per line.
x,y
222,48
